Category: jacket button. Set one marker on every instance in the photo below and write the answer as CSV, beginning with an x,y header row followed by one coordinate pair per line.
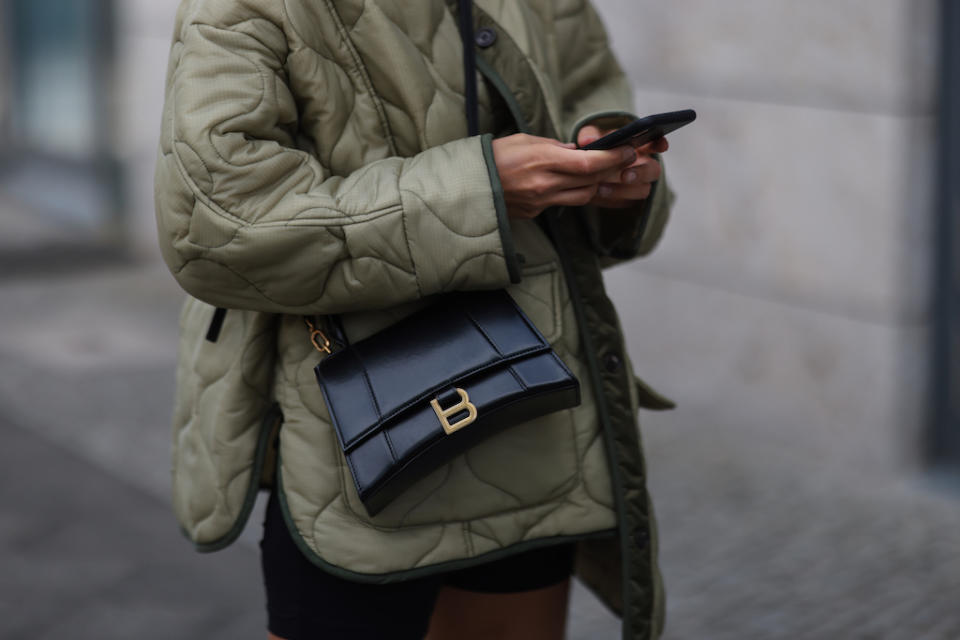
x,y
641,538
486,37
611,362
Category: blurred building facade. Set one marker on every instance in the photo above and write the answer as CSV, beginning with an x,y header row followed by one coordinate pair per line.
x,y
57,141
792,294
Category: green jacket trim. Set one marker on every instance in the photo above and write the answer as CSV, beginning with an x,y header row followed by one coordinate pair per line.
x,y
597,384
650,398
506,237
631,628
498,83
260,457
419,572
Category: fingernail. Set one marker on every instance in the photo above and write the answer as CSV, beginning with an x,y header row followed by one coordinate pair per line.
x,y
629,176
605,191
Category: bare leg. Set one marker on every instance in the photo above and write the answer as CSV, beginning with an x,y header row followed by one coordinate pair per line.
x,y
540,614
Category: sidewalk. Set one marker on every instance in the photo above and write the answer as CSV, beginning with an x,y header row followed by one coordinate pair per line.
x,y
762,544
88,544
758,543
86,555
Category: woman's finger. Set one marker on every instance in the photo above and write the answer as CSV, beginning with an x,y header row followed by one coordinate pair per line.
x,y
660,145
625,193
591,163
574,197
644,170
563,181
588,134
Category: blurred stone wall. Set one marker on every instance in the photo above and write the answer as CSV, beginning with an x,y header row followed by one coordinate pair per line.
x,y
790,295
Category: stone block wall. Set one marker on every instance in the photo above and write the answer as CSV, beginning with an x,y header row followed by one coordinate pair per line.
x,y
790,295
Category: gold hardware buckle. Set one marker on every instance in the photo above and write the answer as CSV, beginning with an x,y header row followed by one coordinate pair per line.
x,y
444,415
318,338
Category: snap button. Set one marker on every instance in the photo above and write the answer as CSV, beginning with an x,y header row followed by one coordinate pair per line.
x,y
486,37
641,538
611,362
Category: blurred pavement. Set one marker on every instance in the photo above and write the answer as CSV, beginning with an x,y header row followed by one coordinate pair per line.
x,y
87,541
757,543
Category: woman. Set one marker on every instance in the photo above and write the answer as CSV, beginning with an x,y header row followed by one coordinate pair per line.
x,y
315,160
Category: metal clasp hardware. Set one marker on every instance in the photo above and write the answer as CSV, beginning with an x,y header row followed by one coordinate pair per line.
x,y
444,415
318,338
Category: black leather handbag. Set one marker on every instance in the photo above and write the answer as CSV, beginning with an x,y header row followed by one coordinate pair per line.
x,y
408,399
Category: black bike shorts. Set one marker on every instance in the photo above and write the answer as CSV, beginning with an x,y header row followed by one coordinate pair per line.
x,y
304,602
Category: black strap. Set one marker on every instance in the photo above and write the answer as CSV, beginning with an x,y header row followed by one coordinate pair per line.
x,y
469,65
216,323
339,335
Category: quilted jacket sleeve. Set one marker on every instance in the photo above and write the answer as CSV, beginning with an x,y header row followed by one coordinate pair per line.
x,y
246,220
596,91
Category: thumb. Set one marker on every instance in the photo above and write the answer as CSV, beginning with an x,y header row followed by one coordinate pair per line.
x,y
588,134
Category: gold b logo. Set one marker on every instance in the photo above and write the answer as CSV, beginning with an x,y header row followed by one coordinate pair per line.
x,y
444,415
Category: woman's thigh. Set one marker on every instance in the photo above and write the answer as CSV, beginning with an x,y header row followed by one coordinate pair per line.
x,y
520,597
305,602
540,614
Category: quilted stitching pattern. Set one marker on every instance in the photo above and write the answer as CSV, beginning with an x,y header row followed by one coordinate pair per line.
x,y
218,415
312,161
232,151
268,194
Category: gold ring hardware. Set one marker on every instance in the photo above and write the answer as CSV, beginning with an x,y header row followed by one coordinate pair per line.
x,y
444,415
318,338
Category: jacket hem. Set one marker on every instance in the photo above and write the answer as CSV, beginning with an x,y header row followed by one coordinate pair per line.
x,y
424,571
260,457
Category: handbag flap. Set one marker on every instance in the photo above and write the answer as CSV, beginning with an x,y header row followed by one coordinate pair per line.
x,y
376,380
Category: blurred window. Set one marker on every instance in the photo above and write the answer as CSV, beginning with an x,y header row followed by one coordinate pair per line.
x,y
54,59
57,152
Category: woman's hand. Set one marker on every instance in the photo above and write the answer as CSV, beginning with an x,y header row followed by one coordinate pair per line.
x,y
537,173
635,181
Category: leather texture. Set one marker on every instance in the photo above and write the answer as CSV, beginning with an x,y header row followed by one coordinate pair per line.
x,y
379,390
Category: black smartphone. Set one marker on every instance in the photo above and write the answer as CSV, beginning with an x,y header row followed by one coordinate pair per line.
x,y
644,130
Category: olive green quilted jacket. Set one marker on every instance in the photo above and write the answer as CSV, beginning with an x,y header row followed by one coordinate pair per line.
x,y
314,160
